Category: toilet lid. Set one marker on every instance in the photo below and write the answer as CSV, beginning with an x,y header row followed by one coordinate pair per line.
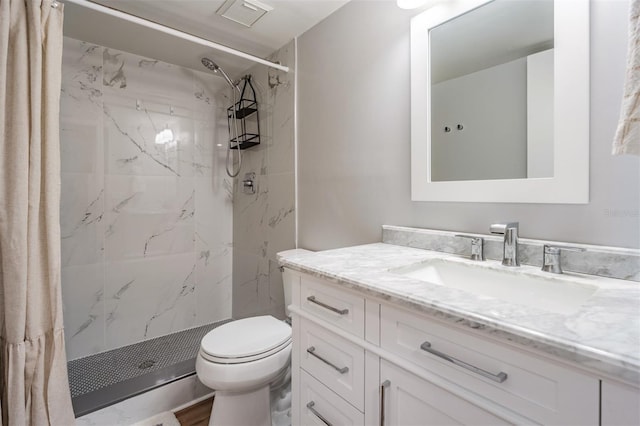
x,y
246,337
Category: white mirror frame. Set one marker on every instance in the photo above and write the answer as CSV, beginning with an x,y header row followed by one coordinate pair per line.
x,y
570,181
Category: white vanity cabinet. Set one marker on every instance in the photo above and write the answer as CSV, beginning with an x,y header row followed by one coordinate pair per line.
x,y
410,400
362,360
620,404
525,384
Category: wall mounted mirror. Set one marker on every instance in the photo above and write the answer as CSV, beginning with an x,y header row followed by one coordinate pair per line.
x,y
500,102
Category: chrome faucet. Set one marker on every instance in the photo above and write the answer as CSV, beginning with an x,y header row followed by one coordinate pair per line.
x,y
510,248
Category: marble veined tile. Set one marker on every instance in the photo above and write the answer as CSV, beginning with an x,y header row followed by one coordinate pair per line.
x,y
81,92
214,210
81,219
148,216
280,94
251,284
206,87
146,209
276,291
83,304
213,282
146,141
265,221
250,217
81,146
210,148
280,223
134,75
148,298
214,241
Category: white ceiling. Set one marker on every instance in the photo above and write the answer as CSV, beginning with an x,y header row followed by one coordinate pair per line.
x,y
287,20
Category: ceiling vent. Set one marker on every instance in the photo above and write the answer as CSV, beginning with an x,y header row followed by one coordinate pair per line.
x,y
245,12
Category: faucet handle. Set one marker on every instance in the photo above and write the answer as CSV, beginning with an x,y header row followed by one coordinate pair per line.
x,y
477,243
551,257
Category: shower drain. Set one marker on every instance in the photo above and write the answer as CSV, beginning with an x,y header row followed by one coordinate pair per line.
x,y
146,364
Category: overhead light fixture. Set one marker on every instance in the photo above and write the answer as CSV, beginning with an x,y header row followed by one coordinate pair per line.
x,y
414,4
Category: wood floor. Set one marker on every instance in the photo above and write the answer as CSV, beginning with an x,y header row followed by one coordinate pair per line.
x,y
195,415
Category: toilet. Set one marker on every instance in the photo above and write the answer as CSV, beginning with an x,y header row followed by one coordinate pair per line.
x,y
243,361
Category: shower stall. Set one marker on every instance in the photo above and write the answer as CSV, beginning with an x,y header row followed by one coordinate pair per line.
x,y
159,244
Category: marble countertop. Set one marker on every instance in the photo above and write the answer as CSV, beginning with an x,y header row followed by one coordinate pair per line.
x,y
601,335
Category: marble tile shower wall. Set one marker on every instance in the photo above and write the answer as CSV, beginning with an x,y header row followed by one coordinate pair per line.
x,y
146,209
264,223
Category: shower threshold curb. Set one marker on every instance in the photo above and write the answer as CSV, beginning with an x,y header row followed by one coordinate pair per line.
x,y
109,395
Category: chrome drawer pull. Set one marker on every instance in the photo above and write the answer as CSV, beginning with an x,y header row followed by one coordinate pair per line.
x,y
310,406
500,377
383,387
312,299
312,351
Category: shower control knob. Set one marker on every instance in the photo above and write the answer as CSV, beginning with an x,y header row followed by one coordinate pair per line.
x,y
248,184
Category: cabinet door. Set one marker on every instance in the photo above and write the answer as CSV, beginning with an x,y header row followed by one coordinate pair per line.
x,y
334,361
620,404
409,400
332,304
318,405
536,388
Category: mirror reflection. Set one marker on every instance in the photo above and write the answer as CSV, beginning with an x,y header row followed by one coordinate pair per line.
x,y
492,74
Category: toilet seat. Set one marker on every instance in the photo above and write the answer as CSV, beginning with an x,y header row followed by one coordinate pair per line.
x,y
240,360
245,340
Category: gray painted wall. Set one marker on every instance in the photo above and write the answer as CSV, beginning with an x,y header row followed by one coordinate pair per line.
x,y
353,136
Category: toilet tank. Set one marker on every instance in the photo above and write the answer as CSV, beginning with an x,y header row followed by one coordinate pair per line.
x,y
287,276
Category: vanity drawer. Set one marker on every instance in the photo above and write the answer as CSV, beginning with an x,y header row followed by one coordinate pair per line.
x,y
338,307
334,361
320,406
535,387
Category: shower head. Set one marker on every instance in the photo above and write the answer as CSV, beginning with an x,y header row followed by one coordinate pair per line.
x,y
215,68
210,64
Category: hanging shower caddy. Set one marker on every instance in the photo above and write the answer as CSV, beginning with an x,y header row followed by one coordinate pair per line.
x,y
247,116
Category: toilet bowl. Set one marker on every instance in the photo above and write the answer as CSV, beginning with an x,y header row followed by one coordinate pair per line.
x,y
240,360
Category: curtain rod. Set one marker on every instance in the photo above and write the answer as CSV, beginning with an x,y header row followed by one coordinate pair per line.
x,y
175,33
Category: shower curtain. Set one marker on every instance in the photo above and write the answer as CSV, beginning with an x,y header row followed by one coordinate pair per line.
x,y
34,388
627,138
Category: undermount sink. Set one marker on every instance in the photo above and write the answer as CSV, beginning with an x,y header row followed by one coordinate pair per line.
x,y
560,294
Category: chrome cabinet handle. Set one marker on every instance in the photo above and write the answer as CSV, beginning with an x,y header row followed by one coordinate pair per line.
x,y
500,377
310,406
312,351
383,387
312,299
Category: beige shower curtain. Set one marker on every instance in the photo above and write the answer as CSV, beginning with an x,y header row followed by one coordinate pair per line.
x,y
34,387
